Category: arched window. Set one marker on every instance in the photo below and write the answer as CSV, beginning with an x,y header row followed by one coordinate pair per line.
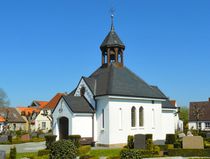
x,y
141,116
133,116
102,119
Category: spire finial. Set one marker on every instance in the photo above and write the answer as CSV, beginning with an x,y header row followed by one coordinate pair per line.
x,y
112,10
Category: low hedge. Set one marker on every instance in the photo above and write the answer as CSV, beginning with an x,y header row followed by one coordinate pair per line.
x,y
50,139
84,150
189,152
75,139
43,152
135,153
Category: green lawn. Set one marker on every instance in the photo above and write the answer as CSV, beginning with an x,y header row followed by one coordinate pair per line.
x,y
105,152
32,155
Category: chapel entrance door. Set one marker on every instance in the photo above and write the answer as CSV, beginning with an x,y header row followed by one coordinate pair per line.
x,y
63,128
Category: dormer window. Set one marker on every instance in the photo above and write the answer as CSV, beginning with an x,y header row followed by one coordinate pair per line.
x,y
82,91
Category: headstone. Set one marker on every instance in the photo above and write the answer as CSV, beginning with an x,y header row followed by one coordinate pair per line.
x,y
139,141
192,142
33,134
181,135
4,138
41,135
25,137
207,135
189,133
2,154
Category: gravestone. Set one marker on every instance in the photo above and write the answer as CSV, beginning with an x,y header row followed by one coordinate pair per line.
x,y
2,154
25,137
207,135
192,142
34,134
139,141
189,133
181,135
4,138
41,135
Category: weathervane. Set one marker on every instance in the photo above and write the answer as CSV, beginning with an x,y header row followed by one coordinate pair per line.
x,y
112,11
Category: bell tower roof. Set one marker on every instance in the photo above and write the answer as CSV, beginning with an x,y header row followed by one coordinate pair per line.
x,y
112,39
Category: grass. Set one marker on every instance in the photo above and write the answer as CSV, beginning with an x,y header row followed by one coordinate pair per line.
x,y
105,152
32,155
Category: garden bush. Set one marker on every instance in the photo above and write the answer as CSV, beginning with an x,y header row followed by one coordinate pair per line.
x,y
13,153
189,152
148,136
87,157
170,139
84,149
63,149
130,142
43,152
149,144
75,139
10,138
50,139
135,154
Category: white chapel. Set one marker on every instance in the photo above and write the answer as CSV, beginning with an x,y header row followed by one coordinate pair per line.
x,y
114,102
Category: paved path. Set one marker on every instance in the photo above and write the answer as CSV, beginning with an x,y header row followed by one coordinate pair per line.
x,y
25,147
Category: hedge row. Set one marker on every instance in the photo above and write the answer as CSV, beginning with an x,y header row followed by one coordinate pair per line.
x,y
135,153
189,152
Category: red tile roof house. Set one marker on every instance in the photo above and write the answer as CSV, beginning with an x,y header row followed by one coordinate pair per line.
x,y
11,118
199,117
39,113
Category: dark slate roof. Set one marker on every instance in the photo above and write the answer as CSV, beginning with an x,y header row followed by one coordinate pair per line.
x,y
203,107
167,103
13,115
113,80
112,40
78,104
91,83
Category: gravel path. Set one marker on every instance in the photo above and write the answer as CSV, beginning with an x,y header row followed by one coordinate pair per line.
x,y
25,147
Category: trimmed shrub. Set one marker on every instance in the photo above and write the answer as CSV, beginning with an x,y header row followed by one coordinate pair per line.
x,y
50,139
156,150
149,144
130,142
10,138
178,144
203,134
63,149
87,157
148,136
135,154
43,152
170,139
189,152
84,149
13,152
75,139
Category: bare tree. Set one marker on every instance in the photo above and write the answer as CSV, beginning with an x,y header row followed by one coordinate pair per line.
x,y
4,101
197,112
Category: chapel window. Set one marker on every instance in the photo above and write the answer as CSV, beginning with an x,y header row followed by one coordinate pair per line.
x,y
141,116
82,91
133,116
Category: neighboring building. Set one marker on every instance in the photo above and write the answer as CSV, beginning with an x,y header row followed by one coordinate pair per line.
x,y
28,114
113,102
38,104
2,122
11,118
199,117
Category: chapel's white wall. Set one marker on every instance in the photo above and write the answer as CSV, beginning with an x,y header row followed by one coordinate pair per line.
x,y
88,94
168,120
102,135
119,136
82,125
57,115
43,118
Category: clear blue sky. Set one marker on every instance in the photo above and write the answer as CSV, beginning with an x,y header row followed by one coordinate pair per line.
x,y
47,45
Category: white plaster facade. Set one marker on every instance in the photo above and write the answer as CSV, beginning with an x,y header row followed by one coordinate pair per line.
x,y
202,125
117,118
